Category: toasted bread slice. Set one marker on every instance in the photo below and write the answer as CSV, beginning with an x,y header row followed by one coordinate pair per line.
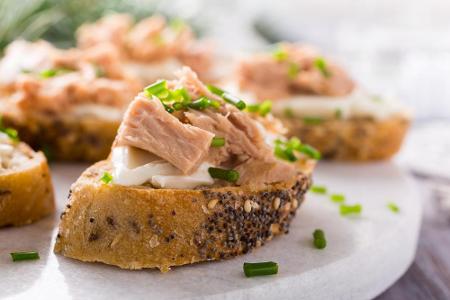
x,y
65,137
137,227
26,192
355,139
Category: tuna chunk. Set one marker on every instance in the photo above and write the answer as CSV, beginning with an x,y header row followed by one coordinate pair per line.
x,y
148,126
296,73
242,136
264,171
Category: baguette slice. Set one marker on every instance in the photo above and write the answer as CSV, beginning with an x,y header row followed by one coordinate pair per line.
x,y
64,137
26,191
353,139
141,227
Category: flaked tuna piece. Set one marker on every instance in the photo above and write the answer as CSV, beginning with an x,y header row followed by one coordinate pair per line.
x,y
151,42
242,136
111,29
190,81
255,171
148,126
291,71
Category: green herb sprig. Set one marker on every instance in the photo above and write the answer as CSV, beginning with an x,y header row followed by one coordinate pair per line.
x,y
260,269
355,209
227,175
263,109
285,150
320,241
21,256
106,178
321,64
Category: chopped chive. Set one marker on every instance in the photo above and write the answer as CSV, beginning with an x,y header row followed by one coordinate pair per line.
x,y
10,132
218,142
54,72
28,255
200,104
215,90
168,108
227,175
178,106
338,113
260,269
234,100
262,109
293,70
252,108
319,189
177,24
319,239
106,178
310,151
48,73
321,65
350,209
288,113
156,89
265,108
338,198
393,207
280,54
312,120
99,71
284,153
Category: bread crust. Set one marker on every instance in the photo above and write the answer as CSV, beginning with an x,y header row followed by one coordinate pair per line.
x,y
26,194
66,138
354,139
141,227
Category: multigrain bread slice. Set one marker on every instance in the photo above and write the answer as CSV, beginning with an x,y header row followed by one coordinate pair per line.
x,y
26,192
355,138
137,227
65,137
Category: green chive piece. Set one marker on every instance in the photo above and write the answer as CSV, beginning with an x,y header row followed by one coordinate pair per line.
x,y
284,153
265,108
288,113
310,151
319,189
48,73
215,90
319,239
321,65
280,54
350,209
218,142
338,198
293,70
54,72
106,178
234,100
393,207
28,255
252,108
338,113
156,89
260,269
10,132
177,24
200,104
312,120
99,71
227,175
